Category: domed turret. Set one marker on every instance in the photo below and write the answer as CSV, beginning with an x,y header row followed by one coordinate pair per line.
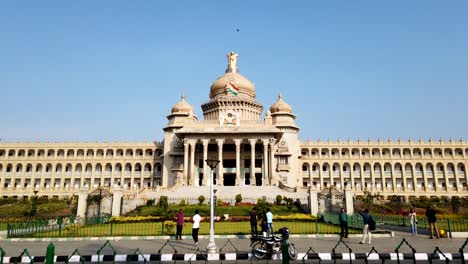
x,y
280,106
182,107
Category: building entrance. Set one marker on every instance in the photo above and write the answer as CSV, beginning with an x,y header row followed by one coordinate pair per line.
x,y
229,179
258,179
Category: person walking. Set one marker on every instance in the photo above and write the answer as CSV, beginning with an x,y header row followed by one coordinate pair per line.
x,y
180,224
431,220
196,226
413,222
269,217
253,222
343,218
366,218
264,225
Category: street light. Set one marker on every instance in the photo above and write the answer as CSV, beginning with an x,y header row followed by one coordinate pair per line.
x,y
211,248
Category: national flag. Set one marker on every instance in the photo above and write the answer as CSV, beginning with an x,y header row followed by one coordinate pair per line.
x,y
233,88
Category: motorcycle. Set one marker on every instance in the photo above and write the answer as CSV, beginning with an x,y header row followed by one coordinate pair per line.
x,y
263,247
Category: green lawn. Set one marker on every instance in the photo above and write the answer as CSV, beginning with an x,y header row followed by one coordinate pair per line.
x,y
155,229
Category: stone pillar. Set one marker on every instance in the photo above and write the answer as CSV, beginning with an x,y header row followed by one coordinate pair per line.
x,y
457,180
220,174
266,169
393,178
415,178
116,201
351,172
313,201
206,180
436,177
192,163
252,161
273,176
446,177
424,178
186,175
341,177
349,204
237,142
82,203
403,173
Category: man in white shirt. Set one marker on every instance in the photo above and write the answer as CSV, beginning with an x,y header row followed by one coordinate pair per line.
x,y
196,226
269,217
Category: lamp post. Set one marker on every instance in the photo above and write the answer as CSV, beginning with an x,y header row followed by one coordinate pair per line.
x,y
211,248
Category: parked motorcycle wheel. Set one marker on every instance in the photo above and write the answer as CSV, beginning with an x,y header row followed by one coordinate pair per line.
x,y
259,250
292,252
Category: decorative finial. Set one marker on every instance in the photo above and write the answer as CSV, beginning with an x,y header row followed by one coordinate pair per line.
x,y
232,62
182,96
280,96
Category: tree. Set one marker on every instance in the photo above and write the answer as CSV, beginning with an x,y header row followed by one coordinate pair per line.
x,y
201,199
238,198
279,199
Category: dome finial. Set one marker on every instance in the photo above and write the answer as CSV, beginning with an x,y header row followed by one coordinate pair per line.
x,y
280,96
232,62
182,96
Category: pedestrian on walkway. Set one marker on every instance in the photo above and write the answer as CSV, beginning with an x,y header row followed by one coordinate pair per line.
x,y
180,224
432,219
196,226
269,217
343,218
413,222
366,218
253,222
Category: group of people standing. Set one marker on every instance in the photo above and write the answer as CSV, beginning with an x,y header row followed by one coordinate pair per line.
x,y
369,223
266,223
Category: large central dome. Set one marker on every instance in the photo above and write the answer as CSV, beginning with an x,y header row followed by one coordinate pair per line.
x,y
232,94
232,83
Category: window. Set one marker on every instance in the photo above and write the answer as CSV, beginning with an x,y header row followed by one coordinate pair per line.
x,y
178,160
283,160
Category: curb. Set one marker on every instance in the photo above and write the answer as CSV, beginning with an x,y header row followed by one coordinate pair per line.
x,y
390,234
240,256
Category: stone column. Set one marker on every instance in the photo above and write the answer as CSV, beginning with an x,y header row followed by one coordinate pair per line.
x,y
116,201
372,178
351,173
394,187
446,178
252,161
237,142
220,174
186,175
349,204
111,183
206,181
313,201
457,181
341,177
403,173
415,179
436,177
424,178
192,163
266,169
274,178
320,174
82,203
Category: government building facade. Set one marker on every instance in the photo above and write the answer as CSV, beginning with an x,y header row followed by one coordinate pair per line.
x,y
255,150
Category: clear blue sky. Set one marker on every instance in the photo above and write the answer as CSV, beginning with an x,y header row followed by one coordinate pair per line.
x,y
111,70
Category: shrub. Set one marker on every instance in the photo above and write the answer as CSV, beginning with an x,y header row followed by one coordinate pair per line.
x,y
72,229
169,227
219,202
238,198
150,203
163,204
182,202
279,199
133,219
201,199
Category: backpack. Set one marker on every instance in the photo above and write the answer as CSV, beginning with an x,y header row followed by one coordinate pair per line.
x,y
372,224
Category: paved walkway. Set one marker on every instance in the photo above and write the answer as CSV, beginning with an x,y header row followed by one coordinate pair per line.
x,y
422,244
